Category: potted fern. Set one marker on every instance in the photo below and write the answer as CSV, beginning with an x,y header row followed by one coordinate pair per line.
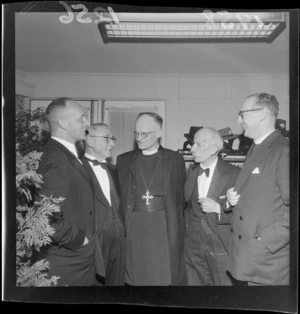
x,y
33,228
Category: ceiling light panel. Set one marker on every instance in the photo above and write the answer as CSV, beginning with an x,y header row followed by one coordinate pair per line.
x,y
185,27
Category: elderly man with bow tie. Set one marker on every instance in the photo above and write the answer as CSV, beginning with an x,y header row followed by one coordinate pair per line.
x,y
208,218
99,144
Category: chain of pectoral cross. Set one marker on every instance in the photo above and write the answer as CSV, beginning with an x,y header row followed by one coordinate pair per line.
x,y
147,196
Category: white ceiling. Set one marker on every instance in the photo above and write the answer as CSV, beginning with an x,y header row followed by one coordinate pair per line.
x,y
45,45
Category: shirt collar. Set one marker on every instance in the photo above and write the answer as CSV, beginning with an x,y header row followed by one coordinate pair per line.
x,y
150,152
211,167
71,147
261,139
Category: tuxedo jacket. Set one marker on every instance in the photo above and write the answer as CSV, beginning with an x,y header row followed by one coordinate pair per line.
x,y
259,246
224,177
103,208
64,176
173,186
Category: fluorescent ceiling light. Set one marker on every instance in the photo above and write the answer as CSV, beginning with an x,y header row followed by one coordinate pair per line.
x,y
191,27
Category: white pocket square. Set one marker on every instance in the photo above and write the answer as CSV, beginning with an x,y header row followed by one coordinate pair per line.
x,y
222,197
256,170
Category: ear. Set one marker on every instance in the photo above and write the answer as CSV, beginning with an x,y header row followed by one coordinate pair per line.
x,y
214,149
89,141
63,123
264,114
159,133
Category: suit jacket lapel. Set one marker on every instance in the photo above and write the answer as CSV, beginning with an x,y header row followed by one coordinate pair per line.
x,y
132,163
72,158
190,182
113,191
218,181
254,160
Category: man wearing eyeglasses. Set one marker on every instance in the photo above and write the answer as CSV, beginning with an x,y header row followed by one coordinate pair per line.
x,y
99,144
260,239
152,196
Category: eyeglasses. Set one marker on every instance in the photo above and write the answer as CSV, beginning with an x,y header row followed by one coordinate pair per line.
x,y
108,138
143,134
241,112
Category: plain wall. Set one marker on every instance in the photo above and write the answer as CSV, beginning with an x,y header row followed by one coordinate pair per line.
x,y
202,100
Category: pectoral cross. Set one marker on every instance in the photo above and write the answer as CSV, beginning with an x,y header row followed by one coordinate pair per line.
x,y
147,197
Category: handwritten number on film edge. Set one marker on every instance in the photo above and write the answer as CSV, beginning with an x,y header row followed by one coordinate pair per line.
x,y
209,15
66,19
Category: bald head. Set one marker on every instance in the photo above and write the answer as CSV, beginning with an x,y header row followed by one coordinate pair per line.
x,y
207,144
212,136
97,127
67,119
55,111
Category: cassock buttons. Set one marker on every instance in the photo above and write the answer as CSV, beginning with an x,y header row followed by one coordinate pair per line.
x,y
240,236
241,218
91,213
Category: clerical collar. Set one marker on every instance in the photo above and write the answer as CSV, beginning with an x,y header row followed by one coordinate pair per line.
x,y
92,157
71,147
211,167
150,152
261,139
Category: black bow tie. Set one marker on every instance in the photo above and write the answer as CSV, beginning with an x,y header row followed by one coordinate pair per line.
x,y
201,170
98,163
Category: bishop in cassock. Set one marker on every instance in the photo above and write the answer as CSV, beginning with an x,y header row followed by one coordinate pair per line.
x,y
152,197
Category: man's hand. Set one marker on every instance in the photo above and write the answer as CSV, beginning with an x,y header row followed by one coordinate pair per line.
x,y
232,197
209,206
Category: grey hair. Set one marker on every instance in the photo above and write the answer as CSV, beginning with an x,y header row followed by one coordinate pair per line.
x,y
96,126
216,138
267,101
157,118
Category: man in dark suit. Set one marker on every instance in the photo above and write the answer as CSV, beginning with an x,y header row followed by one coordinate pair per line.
x,y
71,254
99,144
152,197
259,246
208,219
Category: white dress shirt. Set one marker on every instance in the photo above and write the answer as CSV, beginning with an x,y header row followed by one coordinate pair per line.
x,y
71,147
102,177
203,181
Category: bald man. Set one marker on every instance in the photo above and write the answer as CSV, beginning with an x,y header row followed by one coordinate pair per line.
x,y
208,218
71,254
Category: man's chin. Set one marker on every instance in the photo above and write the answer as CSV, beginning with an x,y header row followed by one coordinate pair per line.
x,y
82,137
